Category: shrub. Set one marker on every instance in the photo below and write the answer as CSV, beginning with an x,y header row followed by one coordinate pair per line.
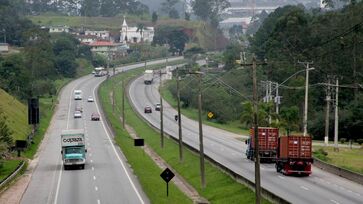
x,y
343,140
360,141
321,154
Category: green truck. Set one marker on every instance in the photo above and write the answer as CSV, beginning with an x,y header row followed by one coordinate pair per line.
x,y
73,148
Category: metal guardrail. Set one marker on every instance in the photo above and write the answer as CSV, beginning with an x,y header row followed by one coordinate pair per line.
x,y
7,180
345,173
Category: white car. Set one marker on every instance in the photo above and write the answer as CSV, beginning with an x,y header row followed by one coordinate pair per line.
x,y
77,114
90,99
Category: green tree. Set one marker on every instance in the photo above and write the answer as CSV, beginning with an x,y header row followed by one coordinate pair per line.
x,y
107,8
154,17
174,36
210,10
168,6
90,8
230,55
289,117
140,28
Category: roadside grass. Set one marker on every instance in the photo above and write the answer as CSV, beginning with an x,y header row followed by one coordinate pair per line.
x,y
351,159
16,114
8,167
192,113
221,188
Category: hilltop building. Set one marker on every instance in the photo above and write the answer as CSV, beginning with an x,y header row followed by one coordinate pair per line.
x,y
133,35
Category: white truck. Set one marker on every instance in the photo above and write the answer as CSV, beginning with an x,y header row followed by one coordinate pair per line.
x,y
73,148
77,94
148,76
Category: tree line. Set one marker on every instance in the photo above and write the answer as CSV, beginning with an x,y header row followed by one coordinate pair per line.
x,y
331,39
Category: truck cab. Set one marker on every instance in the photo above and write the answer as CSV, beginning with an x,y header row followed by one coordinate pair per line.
x,y
73,149
77,94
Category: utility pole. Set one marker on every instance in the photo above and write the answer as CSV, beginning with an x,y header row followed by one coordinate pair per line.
x,y
255,124
277,98
201,148
305,122
336,120
328,99
161,105
179,118
123,103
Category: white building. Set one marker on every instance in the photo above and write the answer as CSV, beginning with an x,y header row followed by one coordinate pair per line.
x,y
109,49
87,39
132,35
103,34
59,29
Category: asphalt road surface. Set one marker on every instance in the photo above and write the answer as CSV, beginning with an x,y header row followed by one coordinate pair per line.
x,y
223,147
106,178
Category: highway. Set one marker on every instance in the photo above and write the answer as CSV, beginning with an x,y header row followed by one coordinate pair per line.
x,y
107,178
223,147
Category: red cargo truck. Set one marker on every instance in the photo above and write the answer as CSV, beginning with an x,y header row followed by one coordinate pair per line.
x,y
267,143
294,155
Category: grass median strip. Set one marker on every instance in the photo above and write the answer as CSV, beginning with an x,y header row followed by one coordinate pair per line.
x,y
221,188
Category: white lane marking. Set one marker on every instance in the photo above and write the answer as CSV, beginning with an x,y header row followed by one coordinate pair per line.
x,y
90,154
262,168
305,188
91,161
334,201
94,177
93,168
358,194
58,184
96,188
98,202
118,157
88,144
281,177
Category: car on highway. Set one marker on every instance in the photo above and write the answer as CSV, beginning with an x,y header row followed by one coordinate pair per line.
x,y
147,109
157,107
77,114
90,99
78,108
95,116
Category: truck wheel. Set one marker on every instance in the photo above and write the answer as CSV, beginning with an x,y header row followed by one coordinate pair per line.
x,y
65,167
82,166
278,167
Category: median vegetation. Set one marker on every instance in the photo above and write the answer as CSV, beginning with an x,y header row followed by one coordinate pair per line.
x,y
221,188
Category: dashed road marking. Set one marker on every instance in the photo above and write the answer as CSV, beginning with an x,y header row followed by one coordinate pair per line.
x,y
93,168
281,177
94,177
90,154
305,188
98,202
96,188
334,201
91,161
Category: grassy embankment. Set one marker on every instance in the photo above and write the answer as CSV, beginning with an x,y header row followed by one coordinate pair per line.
x,y
192,113
351,159
221,188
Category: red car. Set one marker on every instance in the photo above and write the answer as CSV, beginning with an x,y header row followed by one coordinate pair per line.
x,y
95,116
147,109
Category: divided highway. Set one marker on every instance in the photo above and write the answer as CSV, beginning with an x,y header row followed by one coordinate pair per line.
x,y
223,147
106,178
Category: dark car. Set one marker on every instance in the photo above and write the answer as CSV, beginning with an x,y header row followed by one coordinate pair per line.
x,y
157,107
95,116
147,109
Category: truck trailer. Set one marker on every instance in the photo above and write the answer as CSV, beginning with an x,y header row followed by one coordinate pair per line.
x,y
294,155
267,143
148,76
73,148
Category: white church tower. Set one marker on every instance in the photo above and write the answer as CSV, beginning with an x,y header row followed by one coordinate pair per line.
x,y
123,31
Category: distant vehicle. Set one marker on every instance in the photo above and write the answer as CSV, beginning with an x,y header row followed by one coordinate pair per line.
x,y
90,99
73,148
157,107
147,109
95,116
267,143
148,76
78,108
100,71
294,155
77,114
77,94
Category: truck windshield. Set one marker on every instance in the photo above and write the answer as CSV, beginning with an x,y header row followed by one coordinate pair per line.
x,y
73,150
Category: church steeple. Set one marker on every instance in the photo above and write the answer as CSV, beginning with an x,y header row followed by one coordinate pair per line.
x,y
124,24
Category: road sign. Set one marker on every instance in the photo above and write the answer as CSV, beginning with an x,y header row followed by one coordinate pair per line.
x,y
138,142
210,115
167,175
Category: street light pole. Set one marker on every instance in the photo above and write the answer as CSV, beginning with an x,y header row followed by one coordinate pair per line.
x,y
201,148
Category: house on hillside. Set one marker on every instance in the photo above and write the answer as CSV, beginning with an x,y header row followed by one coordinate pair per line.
x,y
87,39
109,49
133,35
58,29
4,47
102,34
